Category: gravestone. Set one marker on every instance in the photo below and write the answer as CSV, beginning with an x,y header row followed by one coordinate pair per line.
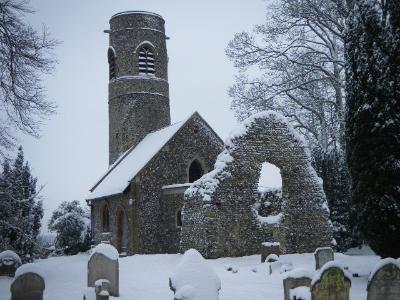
x,y
193,279
268,248
322,256
330,283
9,263
103,264
384,281
295,279
27,286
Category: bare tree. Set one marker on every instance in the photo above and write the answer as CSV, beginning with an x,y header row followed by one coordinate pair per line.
x,y
294,64
25,55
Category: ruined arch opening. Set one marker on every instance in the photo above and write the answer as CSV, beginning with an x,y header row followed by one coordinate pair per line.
x,y
122,234
195,171
105,218
269,190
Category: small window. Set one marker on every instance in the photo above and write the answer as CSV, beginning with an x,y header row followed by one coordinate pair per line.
x,y
195,171
111,63
146,61
106,219
179,218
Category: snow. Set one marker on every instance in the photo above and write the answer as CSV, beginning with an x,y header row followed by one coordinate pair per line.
x,y
107,250
135,12
272,219
330,264
208,183
99,282
195,272
146,277
8,257
301,292
272,257
383,263
299,272
177,185
270,244
118,176
30,268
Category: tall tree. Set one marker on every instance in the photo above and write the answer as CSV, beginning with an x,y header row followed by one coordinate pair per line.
x,y
25,55
21,208
294,64
373,120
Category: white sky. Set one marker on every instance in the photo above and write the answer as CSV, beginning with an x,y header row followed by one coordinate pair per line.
x,y
73,150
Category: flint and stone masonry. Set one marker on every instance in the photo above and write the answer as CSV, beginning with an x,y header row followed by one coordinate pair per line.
x,y
222,221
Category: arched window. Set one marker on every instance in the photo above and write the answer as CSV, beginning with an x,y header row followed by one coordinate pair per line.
x,y
106,219
179,218
195,171
146,60
111,63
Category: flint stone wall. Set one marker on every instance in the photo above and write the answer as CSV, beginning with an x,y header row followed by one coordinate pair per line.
x,y
102,267
219,218
28,286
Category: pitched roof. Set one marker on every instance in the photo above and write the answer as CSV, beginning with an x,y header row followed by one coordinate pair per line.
x,y
129,164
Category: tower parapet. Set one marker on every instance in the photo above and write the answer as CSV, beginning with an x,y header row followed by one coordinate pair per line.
x,y
138,98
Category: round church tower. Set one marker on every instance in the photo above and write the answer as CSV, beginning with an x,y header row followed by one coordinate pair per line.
x,y
138,100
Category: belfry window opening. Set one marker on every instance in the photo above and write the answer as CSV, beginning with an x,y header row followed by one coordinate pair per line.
x,y
111,63
146,61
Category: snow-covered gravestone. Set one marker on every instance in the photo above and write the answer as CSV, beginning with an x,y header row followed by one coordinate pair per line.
x,y
268,248
331,282
294,279
194,279
9,263
384,280
28,283
103,264
322,256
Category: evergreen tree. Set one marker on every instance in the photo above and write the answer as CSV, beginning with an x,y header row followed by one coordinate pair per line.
x,y
71,222
21,210
373,120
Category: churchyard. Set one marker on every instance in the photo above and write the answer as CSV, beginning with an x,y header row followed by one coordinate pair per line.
x,y
153,277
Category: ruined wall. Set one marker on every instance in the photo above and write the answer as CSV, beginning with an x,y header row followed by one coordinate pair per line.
x,y
220,217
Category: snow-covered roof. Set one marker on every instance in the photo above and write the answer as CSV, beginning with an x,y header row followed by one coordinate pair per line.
x,y
129,164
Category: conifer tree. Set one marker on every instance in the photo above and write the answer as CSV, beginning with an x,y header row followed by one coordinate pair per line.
x,y
21,208
373,120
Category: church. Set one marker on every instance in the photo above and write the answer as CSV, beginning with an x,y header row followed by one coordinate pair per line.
x,y
136,205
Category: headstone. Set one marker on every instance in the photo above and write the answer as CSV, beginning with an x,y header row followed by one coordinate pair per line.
x,y
300,293
27,286
9,263
268,248
330,283
384,281
322,256
102,289
103,264
193,279
295,279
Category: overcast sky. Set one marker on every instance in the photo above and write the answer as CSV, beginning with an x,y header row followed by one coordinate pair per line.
x,y
73,150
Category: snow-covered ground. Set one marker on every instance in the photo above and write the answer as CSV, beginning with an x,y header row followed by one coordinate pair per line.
x,y
145,277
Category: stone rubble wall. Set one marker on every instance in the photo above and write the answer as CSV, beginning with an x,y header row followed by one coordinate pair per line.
x,y
218,214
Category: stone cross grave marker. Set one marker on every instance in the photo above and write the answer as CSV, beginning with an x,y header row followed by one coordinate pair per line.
x,y
103,264
331,283
384,281
27,286
9,263
322,256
